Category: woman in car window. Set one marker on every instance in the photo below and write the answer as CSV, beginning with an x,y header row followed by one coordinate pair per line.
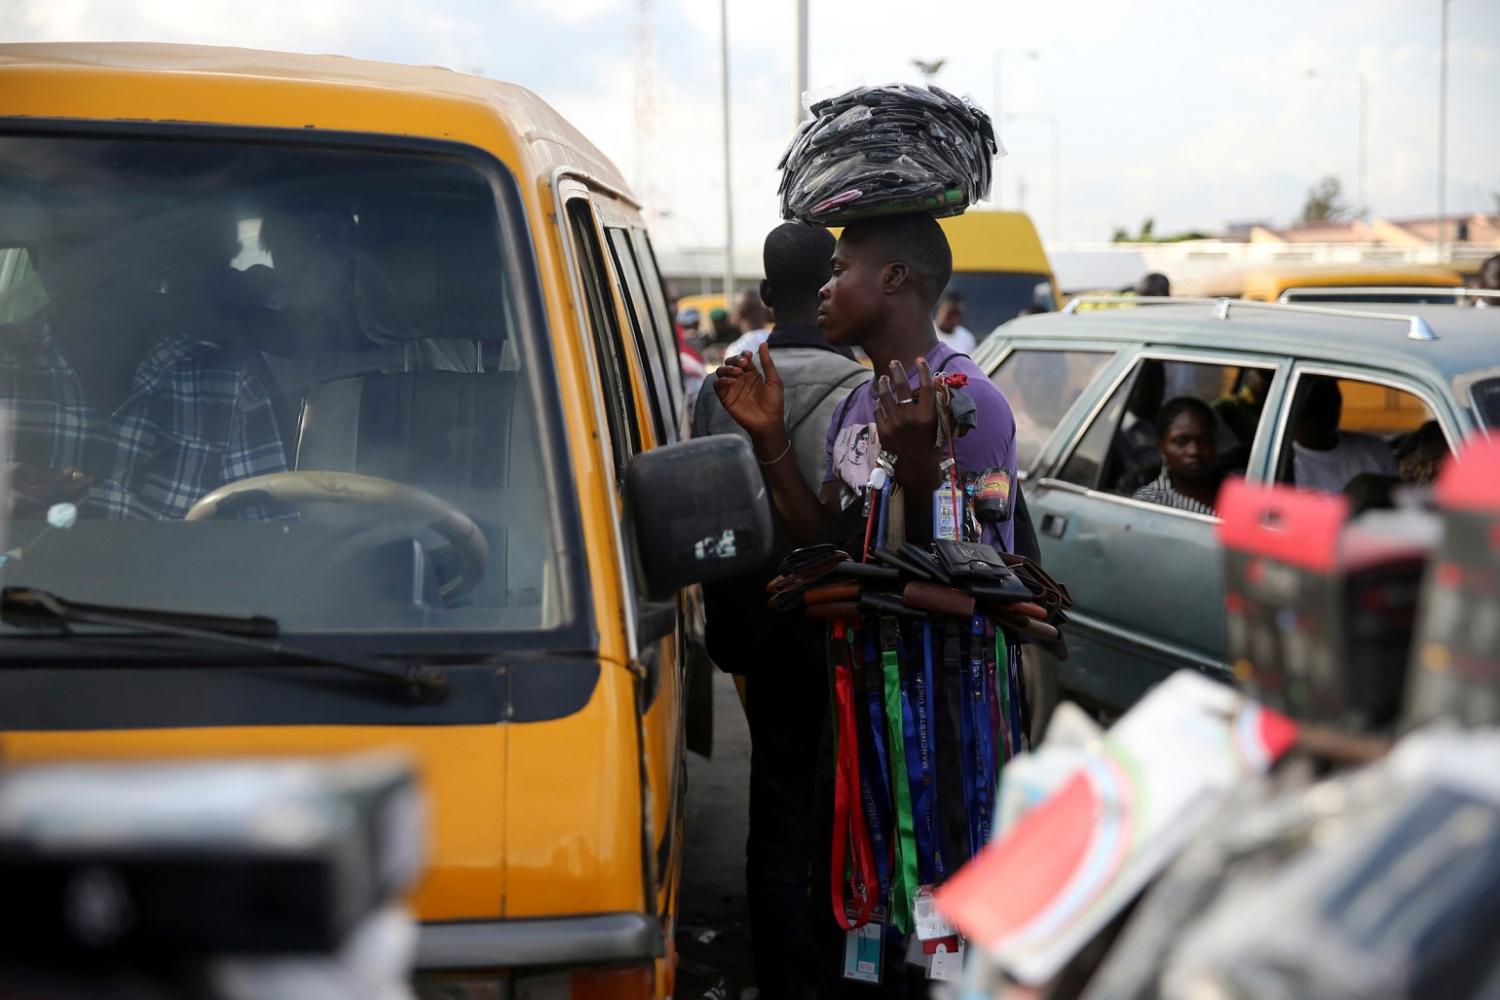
x,y
1185,432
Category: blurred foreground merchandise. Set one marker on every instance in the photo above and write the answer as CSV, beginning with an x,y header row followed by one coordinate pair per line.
x,y
1383,881
1148,861
244,879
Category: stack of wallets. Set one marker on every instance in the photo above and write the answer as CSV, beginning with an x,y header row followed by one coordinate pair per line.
x,y
1320,610
180,859
1455,665
947,579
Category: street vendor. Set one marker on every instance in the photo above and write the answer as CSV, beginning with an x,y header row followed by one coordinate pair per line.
x,y
888,274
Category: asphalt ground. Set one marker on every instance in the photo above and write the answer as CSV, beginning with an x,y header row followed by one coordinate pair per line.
x,y
713,930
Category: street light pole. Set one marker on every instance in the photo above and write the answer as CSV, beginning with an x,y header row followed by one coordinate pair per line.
x,y
1364,105
1442,230
999,113
728,184
799,62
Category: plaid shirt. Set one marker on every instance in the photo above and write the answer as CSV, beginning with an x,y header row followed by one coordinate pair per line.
x,y
195,419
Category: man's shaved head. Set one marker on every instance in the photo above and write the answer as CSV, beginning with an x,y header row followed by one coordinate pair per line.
x,y
914,240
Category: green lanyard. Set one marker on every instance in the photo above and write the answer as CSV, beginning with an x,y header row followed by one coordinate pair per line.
x,y
904,884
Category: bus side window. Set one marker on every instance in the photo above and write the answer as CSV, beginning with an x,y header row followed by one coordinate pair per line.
x,y
624,434
638,308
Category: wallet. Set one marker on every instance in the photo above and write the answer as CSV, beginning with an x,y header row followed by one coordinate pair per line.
x,y
969,560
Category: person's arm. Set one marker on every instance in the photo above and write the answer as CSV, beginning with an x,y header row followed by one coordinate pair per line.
x,y
756,403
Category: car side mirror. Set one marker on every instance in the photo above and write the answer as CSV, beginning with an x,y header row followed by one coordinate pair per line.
x,y
700,512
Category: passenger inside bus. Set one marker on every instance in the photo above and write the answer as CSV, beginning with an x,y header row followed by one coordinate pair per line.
x,y
121,396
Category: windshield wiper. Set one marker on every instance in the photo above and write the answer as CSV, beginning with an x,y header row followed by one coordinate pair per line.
x,y
25,607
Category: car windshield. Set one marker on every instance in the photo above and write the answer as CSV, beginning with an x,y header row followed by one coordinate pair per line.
x,y
996,297
270,378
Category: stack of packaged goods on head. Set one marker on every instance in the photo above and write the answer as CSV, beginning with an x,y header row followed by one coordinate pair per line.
x,y
891,150
1332,828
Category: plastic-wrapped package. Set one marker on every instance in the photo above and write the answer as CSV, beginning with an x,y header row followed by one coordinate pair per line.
x,y
1395,891
888,150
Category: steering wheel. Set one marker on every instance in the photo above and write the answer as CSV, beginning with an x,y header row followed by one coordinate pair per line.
x,y
297,488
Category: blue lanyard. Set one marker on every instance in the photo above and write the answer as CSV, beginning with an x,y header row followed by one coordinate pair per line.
x,y
875,773
928,721
981,724
884,506
918,748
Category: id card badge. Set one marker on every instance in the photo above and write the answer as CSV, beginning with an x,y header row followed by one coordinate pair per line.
x,y
947,508
930,924
947,961
862,950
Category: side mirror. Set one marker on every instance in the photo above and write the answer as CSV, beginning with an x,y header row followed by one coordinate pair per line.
x,y
700,512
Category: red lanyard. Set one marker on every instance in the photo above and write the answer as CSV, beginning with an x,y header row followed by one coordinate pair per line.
x,y
849,831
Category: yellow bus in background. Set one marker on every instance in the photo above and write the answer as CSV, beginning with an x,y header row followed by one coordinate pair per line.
x,y
999,267
1266,284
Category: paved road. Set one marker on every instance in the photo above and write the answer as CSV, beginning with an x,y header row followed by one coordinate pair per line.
x,y
713,937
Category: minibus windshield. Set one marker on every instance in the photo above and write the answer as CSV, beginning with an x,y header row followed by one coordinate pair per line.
x,y
259,377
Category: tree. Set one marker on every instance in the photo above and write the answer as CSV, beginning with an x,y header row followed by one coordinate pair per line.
x,y
1147,234
1325,203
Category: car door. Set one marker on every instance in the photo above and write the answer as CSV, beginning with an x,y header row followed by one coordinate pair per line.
x,y
638,415
1146,580
657,378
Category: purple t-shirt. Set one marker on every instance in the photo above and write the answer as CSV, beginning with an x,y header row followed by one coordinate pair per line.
x,y
854,443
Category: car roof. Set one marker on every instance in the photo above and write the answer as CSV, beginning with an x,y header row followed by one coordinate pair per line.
x,y
1468,339
544,138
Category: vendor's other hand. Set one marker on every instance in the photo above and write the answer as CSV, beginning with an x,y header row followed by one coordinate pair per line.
x,y
755,401
907,421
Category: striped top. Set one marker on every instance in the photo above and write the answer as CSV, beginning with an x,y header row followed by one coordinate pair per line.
x,y
1159,491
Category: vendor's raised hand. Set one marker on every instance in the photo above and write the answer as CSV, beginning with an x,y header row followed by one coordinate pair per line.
x,y
907,423
754,400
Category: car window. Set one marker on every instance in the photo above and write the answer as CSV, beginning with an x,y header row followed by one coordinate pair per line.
x,y
1486,393
1221,404
312,353
624,432
1041,386
1360,437
638,307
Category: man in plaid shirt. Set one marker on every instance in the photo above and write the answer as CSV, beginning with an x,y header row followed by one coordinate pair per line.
x,y
195,418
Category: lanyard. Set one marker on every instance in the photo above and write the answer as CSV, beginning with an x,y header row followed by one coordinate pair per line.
x,y
1003,698
927,732
981,728
849,831
1010,657
904,882
915,733
875,773
884,504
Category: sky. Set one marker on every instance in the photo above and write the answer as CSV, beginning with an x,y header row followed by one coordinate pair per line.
x,y
1195,113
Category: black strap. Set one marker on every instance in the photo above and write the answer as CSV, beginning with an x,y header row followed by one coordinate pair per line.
x,y
792,429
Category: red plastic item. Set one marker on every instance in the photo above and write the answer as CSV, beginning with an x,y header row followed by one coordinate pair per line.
x,y
1296,527
1472,480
